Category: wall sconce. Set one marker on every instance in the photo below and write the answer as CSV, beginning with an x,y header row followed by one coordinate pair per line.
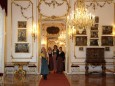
x,y
34,32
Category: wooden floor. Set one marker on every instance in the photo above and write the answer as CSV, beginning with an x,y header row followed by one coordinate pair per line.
x,y
75,80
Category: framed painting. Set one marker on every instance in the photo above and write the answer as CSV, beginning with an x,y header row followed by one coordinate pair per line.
x,y
107,48
80,48
94,27
96,19
22,33
94,34
93,42
21,47
107,41
22,24
107,30
81,41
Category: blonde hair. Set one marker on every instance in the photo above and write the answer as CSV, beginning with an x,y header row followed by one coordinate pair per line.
x,y
43,50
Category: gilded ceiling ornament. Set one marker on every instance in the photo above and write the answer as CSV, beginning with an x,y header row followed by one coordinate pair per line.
x,y
54,3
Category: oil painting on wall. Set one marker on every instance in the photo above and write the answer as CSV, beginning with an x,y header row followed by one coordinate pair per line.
x,y
81,41
107,30
22,48
22,24
22,35
107,41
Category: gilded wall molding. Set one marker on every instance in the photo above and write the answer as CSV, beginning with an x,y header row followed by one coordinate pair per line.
x,y
55,4
22,9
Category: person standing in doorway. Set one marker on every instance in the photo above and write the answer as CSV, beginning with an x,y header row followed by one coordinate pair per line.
x,y
61,61
44,63
49,52
55,55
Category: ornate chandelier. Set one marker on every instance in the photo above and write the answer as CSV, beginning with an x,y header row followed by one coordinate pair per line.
x,y
62,38
80,18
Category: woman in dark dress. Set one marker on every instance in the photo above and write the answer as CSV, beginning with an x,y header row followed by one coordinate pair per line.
x,y
44,63
55,55
60,61
50,58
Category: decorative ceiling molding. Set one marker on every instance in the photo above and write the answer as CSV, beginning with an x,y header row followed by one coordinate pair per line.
x,y
61,27
53,2
50,8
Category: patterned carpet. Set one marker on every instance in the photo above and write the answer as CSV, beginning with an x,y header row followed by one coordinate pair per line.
x,y
55,80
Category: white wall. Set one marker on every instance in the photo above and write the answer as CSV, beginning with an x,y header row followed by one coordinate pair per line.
x,y
106,17
14,15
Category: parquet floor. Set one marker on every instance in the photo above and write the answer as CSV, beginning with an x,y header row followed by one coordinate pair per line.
x,y
75,80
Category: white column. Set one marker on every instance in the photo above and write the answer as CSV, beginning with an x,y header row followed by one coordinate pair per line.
x,y
2,26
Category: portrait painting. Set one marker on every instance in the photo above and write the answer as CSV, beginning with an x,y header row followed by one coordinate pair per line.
x,y
22,24
22,35
93,42
94,27
107,30
21,47
94,34
81,41
96,19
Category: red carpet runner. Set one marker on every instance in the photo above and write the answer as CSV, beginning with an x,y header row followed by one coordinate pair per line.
x,y
55,80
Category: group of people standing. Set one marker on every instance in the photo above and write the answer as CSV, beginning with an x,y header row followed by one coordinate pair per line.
x,y
53,60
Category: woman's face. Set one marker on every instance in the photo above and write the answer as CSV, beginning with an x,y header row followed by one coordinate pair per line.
x,y
43,49
60,49
49,48
55,47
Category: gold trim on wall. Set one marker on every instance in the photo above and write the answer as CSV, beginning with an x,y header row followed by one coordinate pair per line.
x,y
53,16
12,2
114,13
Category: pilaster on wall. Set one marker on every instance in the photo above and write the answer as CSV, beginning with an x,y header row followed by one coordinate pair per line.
x,y
2,39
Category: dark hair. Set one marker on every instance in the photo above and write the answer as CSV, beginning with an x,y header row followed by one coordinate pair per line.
x,y
60,47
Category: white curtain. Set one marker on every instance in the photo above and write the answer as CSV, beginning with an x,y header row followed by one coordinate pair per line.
x,y
2,26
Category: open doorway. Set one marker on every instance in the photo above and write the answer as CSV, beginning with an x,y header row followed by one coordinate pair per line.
x,y
53,33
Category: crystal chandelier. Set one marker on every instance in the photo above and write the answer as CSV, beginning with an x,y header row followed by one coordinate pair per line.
x,y
61,38
80,18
